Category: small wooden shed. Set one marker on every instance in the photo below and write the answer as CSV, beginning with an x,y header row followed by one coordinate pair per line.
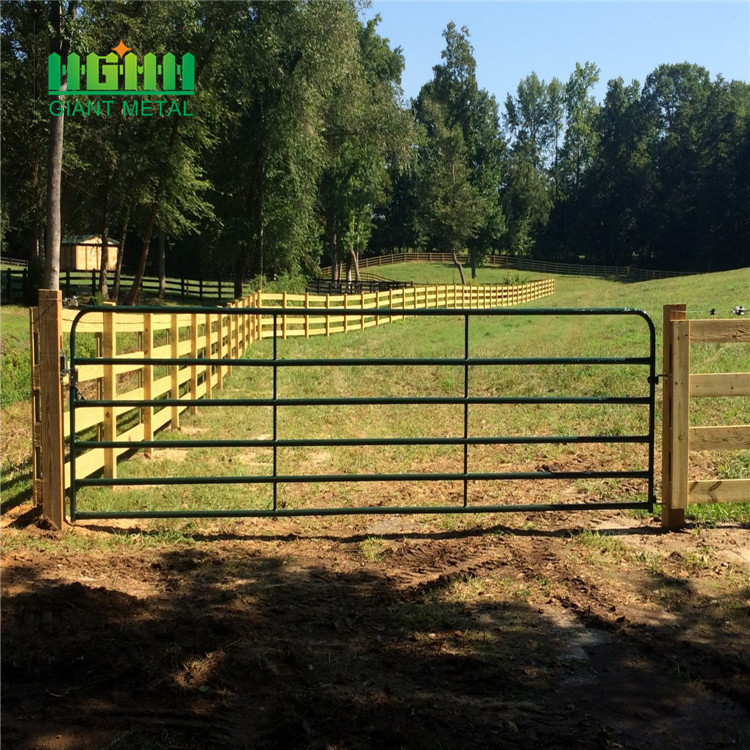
x,y
85,253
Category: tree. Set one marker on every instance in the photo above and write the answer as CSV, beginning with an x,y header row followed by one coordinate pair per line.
x,y
61,20
449,106
24,46
451,208
366,132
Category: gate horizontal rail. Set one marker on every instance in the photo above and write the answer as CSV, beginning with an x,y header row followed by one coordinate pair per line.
x,y
275,363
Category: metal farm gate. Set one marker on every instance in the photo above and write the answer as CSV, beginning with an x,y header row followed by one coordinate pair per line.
x,y
275,363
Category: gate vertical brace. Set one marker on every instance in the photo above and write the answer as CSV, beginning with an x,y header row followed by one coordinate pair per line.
x,y
466,410
275,411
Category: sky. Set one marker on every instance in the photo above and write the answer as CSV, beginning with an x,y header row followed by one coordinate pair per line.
x,y
512,39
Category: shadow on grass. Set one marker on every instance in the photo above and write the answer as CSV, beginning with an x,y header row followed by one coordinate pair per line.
x,y
18,490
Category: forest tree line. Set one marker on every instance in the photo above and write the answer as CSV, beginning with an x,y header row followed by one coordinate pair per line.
x,y
301,150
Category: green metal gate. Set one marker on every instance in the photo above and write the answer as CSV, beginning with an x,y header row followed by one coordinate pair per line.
x,y
276,363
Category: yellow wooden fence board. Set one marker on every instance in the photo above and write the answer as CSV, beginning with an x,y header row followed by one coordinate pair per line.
x,y
226,339
719,491
719,331
724,438
719,384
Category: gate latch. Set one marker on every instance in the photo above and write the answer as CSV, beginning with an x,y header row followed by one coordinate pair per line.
x,y
65,369
655,378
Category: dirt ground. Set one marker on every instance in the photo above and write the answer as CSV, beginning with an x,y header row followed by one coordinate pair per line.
x,y
507,631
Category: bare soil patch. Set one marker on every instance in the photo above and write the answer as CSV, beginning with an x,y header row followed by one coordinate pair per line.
x,y
505,631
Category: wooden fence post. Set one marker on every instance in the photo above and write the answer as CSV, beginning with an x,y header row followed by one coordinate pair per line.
x,y
675,399
307,316
109,390
174,340
220,350
49,323
194,355
36,408
148,378
209,355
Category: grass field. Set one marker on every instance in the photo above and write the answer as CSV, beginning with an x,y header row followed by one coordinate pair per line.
x,y
518,631
513,336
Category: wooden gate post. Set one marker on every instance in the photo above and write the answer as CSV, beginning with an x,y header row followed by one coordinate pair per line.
x,y
50,344
674,407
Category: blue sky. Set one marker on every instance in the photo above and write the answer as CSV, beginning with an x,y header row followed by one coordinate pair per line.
x,y
512,39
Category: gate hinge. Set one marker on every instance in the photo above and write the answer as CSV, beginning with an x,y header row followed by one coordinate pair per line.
x,y
655,378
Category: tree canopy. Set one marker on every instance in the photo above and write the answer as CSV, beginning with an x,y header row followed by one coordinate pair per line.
x,y
299,149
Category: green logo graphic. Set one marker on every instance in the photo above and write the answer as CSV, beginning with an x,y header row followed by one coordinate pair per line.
x,y
106,75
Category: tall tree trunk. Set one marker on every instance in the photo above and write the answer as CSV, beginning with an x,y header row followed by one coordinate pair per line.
x,y
162,263
141,270
61,45
473,262
120,254
34,249
348,268
240,268
54,168
333,247
259,244
103,288
355,263
459,267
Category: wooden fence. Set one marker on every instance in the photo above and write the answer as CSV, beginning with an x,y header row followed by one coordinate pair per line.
x,y
678,437
519,263
213,334
13,283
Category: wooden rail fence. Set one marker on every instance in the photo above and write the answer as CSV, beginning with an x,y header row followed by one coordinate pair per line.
x,y
519,263
213,334
680,385
14,281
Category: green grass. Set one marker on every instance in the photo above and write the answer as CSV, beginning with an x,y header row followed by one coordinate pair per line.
x,y
14,354
513,336
439,337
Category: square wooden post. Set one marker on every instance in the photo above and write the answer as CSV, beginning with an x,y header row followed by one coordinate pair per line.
x,y
148,378
50,343
109,391
220,350
209,354
674,386
194,355
36,407
174,340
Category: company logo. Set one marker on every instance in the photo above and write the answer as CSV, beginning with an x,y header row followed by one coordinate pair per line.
x,y
120,73
106,75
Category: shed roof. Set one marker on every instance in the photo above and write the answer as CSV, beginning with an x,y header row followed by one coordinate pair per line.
x,y
87,239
